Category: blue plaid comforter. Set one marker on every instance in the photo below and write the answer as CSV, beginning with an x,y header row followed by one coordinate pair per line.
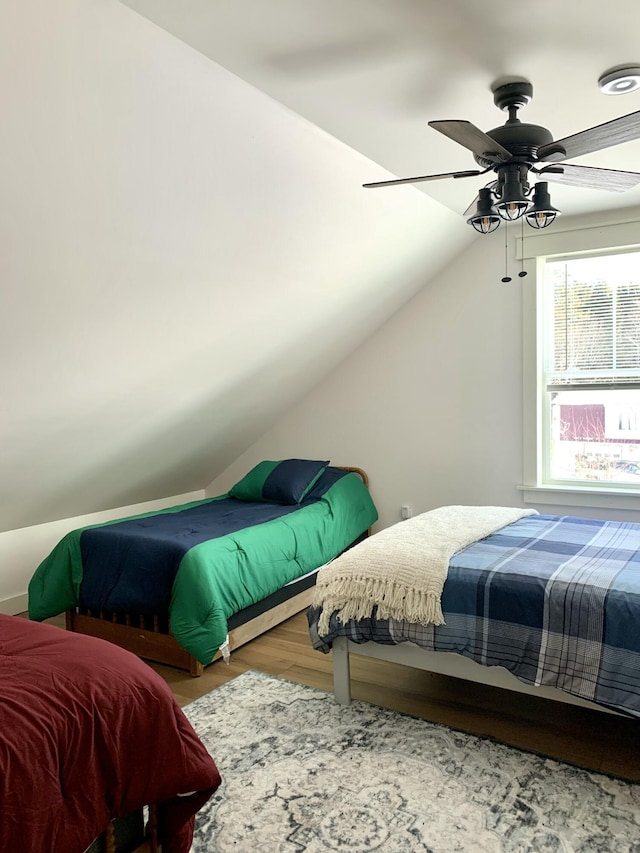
x,y
553,599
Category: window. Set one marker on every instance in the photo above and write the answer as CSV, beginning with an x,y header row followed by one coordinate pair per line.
x,y
589,371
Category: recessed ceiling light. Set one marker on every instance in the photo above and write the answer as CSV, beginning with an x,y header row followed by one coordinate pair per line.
x,y
620,80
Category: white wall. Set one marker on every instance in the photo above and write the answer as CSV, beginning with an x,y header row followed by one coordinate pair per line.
x,y
431,405
182,258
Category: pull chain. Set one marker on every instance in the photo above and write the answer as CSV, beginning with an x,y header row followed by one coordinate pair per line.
x,y
523,271
506,278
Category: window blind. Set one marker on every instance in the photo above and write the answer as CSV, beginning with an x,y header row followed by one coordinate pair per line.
x,y
595,323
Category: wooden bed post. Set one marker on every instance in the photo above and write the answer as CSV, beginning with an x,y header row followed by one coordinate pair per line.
x,y
341,671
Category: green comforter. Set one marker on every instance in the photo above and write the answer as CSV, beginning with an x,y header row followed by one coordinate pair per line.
x,y
202,562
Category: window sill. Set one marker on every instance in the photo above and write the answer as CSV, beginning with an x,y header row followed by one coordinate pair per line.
x,y
587,496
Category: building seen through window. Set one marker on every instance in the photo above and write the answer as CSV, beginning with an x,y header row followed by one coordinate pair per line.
x,y
590,382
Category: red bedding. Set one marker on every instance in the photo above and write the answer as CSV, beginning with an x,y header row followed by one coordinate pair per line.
x,y
89,732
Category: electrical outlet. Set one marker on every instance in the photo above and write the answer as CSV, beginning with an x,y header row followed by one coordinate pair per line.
x,y
405,511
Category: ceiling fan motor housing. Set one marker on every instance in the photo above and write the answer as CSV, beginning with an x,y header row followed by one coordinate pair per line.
x,y
521,140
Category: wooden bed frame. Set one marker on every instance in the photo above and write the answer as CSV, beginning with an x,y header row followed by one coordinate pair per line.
x,y
443,663
129,834
149,636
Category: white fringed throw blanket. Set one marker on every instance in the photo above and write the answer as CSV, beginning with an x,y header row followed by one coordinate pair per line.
x,y
402,569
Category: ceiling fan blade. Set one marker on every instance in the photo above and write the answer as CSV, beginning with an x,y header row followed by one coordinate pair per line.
x,y
474,204
623,129
471,137
613,180
472,207
468,174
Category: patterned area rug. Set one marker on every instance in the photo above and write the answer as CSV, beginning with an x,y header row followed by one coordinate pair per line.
x,y
302,773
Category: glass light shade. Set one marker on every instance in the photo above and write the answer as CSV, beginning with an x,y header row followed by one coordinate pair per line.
x,y
512,209
485,224
541,218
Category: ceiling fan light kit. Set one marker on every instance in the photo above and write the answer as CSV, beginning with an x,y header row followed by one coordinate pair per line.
x,y
620,80
515,149
485,219
542,212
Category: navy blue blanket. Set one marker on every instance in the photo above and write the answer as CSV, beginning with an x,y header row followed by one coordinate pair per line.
x,y
130,565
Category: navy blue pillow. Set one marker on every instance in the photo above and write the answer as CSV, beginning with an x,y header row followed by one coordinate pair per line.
x,y
286,482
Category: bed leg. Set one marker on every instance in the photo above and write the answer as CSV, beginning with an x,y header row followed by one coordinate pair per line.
x,y
69,619
110,838
195,667
341,673
151,830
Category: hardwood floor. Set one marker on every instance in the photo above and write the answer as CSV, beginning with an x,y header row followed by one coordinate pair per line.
x,y
580,736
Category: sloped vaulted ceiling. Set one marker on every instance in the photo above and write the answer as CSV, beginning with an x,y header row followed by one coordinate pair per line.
x,y
183,257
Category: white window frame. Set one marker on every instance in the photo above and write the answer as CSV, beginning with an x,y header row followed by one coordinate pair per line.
x,y
598,239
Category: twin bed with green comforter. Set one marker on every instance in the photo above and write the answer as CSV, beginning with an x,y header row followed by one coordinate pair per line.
x,y
197,565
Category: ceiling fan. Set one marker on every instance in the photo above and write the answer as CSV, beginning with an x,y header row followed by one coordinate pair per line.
x,y
515,149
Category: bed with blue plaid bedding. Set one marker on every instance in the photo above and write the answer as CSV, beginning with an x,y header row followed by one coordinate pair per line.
x,y
553,599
